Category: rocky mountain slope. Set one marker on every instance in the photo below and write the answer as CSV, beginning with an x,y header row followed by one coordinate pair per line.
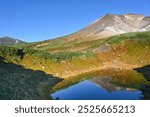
x,y
112,24
106,26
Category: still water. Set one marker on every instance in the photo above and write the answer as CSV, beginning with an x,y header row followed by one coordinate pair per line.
x,y
99,88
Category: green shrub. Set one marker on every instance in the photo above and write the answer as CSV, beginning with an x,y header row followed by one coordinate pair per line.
x,y
12,52
143,37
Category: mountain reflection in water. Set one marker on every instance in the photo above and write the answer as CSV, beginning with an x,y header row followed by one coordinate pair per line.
x,y
98,86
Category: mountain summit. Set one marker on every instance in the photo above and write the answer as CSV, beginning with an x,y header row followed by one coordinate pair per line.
x,y
110,25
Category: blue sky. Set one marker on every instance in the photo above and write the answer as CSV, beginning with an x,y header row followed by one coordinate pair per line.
x,y
36,20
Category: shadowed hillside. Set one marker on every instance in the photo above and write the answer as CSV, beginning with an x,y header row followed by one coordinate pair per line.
x,y
19,83
145,71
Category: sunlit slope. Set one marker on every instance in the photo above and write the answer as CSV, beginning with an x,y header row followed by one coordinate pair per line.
x,y
126,51
104,27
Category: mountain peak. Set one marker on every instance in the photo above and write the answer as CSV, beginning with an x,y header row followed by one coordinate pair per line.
x,y
110,25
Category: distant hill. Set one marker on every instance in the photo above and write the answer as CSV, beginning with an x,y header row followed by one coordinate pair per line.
x,y
10,41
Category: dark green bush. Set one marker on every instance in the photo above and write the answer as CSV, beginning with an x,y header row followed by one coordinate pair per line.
x,y
55,57
12,52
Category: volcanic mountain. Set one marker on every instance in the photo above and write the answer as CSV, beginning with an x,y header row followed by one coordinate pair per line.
x,y
106,26
110,25
10,41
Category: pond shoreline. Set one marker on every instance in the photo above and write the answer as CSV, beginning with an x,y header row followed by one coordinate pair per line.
x,y
104,66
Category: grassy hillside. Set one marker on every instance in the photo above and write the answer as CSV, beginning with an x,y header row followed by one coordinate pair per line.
x,y
61,45
126,51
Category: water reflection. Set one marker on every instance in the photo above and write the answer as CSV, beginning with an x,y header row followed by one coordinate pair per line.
x,y
101,85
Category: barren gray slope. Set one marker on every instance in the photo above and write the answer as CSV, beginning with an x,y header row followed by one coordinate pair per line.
x,y
111,24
